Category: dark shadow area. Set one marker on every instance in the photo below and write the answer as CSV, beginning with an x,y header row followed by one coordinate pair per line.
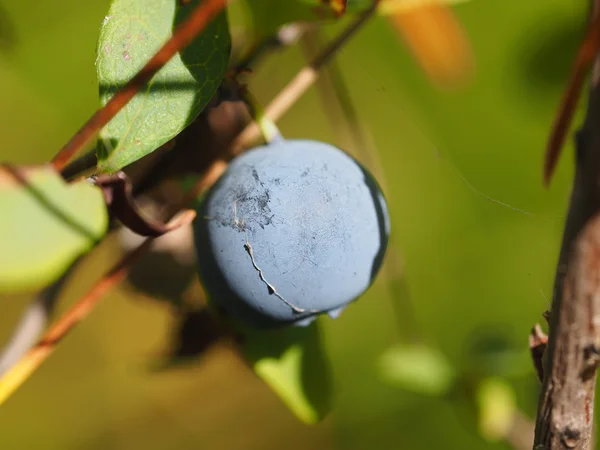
x,y
48,203
194,332
161,276
546,53
202,51
382,219
101,151
491,351
8,34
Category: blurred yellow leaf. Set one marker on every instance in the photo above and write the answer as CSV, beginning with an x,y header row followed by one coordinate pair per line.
x,y
434,36
416,368
496,401
398,6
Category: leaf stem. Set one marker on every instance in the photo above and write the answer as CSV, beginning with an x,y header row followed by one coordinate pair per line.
x,y
199,18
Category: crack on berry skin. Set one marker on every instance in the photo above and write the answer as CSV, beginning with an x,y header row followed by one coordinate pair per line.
x,y
272,290
240,224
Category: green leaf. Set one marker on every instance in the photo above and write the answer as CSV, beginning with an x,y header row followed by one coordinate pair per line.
x,y
292,362
416,368
131,33
496,400
46,224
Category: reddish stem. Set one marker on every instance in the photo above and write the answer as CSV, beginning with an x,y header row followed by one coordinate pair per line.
x,y
583,61
199,18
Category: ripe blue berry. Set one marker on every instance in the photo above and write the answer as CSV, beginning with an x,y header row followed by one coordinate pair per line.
x,y
291,230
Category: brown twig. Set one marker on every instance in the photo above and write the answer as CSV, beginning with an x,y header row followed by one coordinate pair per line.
x,y
33,322
286,36
38,354
520,433
566,405
199,18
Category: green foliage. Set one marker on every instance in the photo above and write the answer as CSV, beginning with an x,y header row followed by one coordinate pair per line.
x,y
418,369
131,33
292,361
45,226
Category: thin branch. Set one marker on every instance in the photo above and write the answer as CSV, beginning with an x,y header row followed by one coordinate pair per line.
x,y
199,18
46,345
566,405
300,83
336,102
85,165
286,36
520,433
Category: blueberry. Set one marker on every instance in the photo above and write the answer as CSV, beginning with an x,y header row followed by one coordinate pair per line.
x,y
291,230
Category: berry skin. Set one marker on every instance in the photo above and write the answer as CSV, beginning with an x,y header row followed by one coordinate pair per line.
x,y
291,230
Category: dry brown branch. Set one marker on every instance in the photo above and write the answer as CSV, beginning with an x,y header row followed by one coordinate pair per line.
x,y
566,405
562,122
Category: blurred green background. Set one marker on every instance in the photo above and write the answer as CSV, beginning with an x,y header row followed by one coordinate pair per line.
x,y
470,272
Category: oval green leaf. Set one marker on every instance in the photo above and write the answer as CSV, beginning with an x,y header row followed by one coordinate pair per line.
x,y
292,362
131,33
46,224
